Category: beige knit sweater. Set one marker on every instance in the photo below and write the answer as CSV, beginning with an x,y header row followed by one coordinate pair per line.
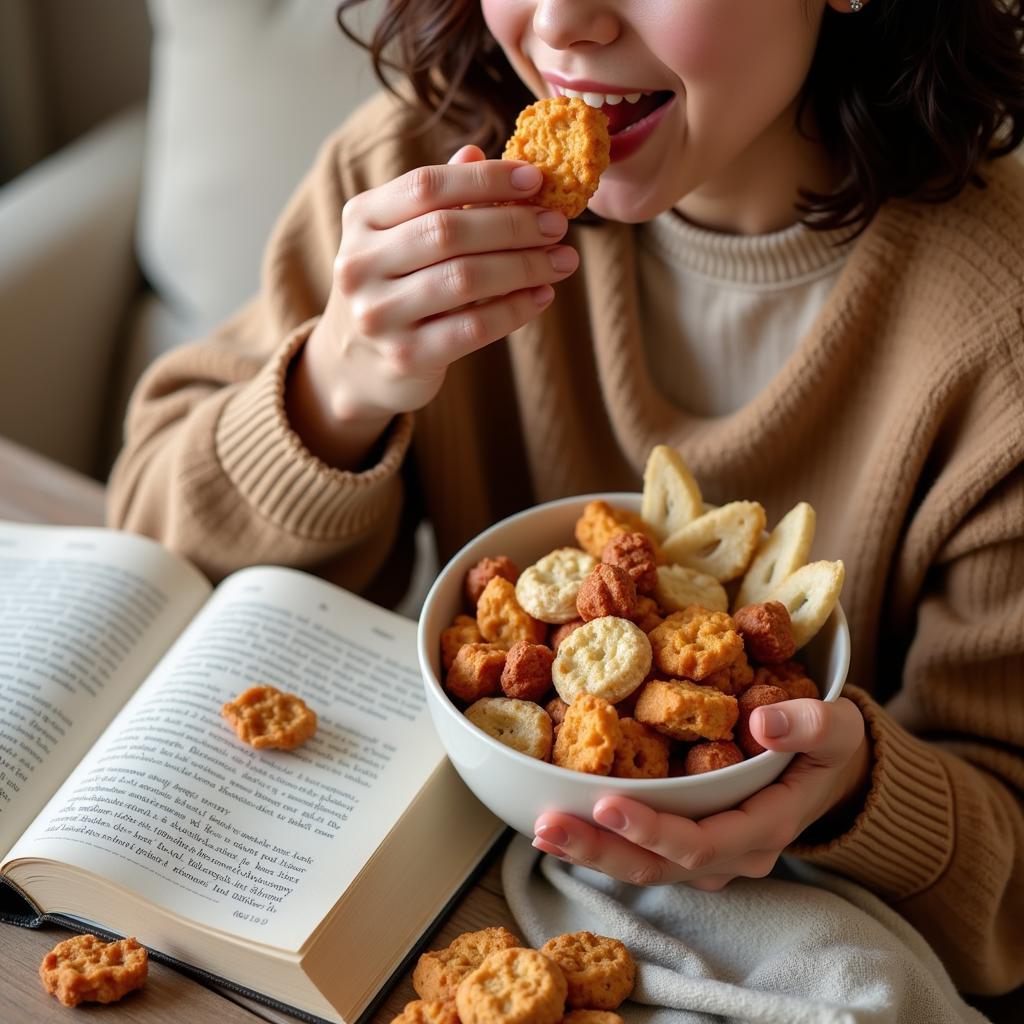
x,y
899,416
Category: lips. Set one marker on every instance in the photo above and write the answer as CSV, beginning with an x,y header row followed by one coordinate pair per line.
x,y
622,115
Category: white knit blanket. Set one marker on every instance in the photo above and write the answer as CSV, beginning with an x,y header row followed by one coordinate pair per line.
x,y
801,947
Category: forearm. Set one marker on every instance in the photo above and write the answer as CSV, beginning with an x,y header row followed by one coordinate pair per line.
x,y
213,470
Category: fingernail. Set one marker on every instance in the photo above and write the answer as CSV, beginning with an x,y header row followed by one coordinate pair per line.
x,y
526,176
551,222
611,818
563,259
553,834
774,723
543,294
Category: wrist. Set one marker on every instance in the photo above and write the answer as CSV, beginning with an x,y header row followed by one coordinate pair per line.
x,y
337,428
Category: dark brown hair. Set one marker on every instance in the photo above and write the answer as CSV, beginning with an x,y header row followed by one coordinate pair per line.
x,y
910,99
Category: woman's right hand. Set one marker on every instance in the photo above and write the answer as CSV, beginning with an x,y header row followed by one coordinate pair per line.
x,y
420,281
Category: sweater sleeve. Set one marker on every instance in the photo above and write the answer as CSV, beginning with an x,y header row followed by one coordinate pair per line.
x,y
210,465
941,834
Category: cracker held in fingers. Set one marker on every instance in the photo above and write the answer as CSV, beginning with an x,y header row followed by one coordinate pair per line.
x,y
568,140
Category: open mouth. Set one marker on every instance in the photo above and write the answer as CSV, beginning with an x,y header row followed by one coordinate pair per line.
x,y
623,111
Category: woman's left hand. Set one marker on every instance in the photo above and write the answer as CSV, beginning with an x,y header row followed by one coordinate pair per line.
x,y
645,847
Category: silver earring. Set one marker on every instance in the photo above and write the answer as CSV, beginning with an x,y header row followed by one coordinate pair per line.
x,y
856,5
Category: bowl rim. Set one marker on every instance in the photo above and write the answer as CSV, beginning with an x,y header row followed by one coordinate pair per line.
x,y
557,772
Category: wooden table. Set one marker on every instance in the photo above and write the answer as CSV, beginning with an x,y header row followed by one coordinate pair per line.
x,y
36,490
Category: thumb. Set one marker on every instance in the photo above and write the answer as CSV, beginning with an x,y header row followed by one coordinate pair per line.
x,y
467,155
828,732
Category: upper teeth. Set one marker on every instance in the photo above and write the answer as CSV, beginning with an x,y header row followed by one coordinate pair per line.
x,y
598,99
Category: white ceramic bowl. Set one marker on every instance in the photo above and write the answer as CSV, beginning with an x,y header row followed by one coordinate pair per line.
x,y
518,788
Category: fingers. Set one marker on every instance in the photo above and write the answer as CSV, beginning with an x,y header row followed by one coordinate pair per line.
x,y
448,338
571,839
765,822
448,286
443,234
829,732
440,186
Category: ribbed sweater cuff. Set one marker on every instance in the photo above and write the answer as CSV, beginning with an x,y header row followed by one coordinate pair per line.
x,y
903,838
285,482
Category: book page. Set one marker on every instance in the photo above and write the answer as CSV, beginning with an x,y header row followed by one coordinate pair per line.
x,y
85,613
259,843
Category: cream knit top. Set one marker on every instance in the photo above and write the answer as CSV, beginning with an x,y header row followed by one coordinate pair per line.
x,y
899,414
720,314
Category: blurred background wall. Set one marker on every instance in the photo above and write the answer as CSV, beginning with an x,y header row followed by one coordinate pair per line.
x,y
57,79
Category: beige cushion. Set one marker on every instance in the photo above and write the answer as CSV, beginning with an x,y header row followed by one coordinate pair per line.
x,y
243,92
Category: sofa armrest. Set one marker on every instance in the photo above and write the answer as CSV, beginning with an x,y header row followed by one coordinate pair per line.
x,y
67,271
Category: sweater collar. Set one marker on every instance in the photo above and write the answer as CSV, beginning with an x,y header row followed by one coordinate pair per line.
x,y
642,417
787,257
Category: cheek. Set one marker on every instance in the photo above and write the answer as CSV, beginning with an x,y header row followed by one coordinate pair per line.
x,y
718,40
505,21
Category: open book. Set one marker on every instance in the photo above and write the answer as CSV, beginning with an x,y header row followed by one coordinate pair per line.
x,y
129,807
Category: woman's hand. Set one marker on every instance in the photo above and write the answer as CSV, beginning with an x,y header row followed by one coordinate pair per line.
x,y
648,848
420,281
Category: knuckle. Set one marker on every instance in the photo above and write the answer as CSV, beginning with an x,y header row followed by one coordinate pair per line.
x,y
350,213
514,223
457,280
816,720
367,317
472,328
649,874
700,857
422,185
348,273
400,356
437,231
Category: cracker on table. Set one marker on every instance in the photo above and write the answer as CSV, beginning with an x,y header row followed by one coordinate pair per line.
x,y
87,969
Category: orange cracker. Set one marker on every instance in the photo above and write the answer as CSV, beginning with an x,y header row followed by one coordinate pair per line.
x,y
87,969
686,711
599,971
438,973
263,717
568,140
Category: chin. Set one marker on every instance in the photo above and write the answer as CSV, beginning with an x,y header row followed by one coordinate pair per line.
x,y
627,203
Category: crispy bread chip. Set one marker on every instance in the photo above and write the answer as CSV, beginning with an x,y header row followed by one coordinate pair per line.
x,y
809,595
671,496
720,542
782,552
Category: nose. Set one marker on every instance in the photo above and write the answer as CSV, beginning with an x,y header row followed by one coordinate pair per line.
x,y
565,23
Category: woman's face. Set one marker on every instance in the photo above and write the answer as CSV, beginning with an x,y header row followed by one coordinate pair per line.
x,y
722,76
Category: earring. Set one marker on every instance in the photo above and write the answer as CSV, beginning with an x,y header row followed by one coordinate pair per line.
x,y
856,5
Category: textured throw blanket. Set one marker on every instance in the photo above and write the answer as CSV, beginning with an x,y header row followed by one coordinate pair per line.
x,y
800,947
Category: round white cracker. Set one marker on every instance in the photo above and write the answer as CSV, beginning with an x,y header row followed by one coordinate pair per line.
x,y
547,590
519,724
608,657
